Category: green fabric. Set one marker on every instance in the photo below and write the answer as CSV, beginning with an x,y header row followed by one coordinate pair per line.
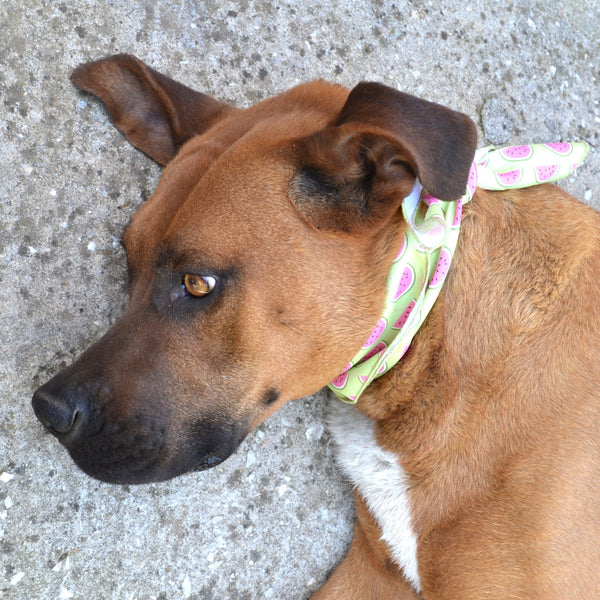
x,y
419,270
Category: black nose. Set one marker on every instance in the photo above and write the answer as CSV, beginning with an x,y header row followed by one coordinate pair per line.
x,y
55,413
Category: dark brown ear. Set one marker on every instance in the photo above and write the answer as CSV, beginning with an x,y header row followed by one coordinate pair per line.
x,y
156,114
356,172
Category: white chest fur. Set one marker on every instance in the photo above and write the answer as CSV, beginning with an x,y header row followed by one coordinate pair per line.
x,y
379,478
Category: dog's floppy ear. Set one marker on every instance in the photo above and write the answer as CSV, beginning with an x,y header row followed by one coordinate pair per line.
x,y
355,172
156,114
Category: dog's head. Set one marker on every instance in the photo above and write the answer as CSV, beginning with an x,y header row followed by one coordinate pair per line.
x,y
256,269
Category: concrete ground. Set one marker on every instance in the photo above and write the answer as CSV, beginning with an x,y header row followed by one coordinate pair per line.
x,y
276,518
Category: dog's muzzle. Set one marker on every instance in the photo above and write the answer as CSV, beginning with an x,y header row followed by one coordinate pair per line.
x,y
130,442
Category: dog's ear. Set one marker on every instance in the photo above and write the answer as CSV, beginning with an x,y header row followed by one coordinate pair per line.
x,y
156,114
355,172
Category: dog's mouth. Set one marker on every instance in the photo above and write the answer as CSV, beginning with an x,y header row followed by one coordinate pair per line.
x,y
126,454
117,453
209,462
130,472
131,468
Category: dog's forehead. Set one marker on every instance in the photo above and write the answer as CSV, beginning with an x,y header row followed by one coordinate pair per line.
x,y
240,210
233,179
296,112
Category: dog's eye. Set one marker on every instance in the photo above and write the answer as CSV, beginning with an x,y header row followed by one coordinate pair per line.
x,y
198,286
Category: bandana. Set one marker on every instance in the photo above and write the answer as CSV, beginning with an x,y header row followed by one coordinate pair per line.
x,y
421,265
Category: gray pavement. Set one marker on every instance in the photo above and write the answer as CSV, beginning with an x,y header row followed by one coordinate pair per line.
x,y
274,519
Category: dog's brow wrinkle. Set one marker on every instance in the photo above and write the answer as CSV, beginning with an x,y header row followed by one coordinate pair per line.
x,y
165,256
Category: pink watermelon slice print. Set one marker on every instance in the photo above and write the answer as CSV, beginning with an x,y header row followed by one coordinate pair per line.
x,y
562,148
402,249
458,214
379,348
340,381
517,152
376,333
472,181
442,268
546,173
429,199
401,322
510,178
406,281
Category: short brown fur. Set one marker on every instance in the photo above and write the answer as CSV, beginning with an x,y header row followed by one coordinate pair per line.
x,y
494,411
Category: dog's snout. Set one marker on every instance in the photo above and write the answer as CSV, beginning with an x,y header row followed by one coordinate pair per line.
x,y
54,411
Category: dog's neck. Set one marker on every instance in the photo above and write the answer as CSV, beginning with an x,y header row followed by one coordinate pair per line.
x,y
419,270
461,382
413,284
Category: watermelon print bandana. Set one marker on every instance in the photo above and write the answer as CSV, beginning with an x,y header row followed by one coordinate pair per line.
x,y
419,270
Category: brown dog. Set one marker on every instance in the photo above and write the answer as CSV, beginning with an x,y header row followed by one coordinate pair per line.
x,y
257,269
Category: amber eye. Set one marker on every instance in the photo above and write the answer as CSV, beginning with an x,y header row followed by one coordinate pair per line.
x,y
198,286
